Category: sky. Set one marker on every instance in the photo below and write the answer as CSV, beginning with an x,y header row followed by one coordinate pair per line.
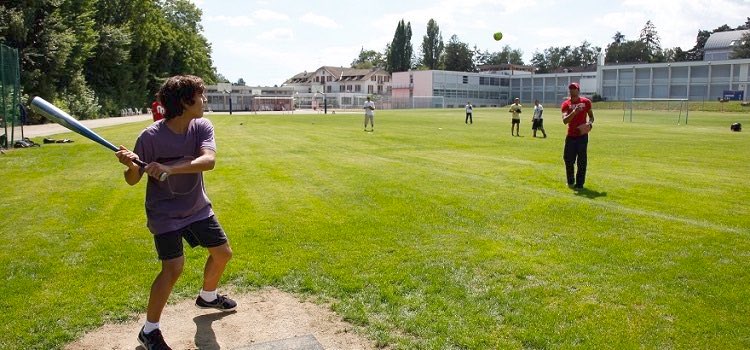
x,y
267,42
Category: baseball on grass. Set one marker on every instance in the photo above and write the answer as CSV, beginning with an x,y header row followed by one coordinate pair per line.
x,y
498,36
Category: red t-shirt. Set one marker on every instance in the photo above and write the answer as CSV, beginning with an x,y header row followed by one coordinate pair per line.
x,y
580,117
157,111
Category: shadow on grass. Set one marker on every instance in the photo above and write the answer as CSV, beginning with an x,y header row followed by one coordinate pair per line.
x,y
205,338
589,193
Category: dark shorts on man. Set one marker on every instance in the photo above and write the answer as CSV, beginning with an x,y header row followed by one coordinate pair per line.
x,y
515,121
538,123
206,233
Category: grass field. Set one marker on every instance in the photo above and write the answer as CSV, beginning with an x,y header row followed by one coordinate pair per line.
x,y
427,233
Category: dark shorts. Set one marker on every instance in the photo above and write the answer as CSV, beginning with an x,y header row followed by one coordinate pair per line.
x,y
538,124
206,233
515,121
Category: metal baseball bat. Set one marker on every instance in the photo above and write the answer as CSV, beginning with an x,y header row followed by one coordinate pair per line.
x,y
51,112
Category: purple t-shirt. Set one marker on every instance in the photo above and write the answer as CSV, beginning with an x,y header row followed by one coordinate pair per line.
x,y
181,199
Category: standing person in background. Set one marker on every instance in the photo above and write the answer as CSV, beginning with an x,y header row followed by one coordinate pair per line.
x,y
537,122
469,111
574,113
369,113
515,110
157,111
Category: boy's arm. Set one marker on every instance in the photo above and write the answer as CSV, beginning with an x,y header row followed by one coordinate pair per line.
x,y
591,116
206,161
133,174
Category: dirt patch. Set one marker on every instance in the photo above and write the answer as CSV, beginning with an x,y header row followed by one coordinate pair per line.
x,y
263,316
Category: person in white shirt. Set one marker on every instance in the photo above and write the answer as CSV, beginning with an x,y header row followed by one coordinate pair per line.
x,y
537,122
469,111
369,113
515,110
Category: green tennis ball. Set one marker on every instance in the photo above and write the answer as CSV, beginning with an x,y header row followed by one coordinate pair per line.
x,y
498,36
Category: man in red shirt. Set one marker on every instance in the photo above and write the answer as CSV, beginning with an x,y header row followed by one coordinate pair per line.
x,y
157,111
574,113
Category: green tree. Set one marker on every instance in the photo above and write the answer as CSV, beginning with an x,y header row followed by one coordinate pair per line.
x,y
368,59
115,53
432,46
504,56
652,44
458,56
400,50
743,49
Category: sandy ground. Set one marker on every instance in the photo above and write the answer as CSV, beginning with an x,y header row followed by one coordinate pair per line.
x,y
263,316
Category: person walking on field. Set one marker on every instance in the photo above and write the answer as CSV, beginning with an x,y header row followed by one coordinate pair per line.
x,y
181,145
574,113
515,110
369,113
469,112
537,122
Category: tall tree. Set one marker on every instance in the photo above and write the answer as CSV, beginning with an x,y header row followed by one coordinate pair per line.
x,y
432,46
652,44
83,53
458,56
400,49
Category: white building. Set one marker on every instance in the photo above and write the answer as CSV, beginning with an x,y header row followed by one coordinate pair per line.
x,y
223,96
720,46
339,87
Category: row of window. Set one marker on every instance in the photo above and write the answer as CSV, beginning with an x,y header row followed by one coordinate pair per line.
x,y
379,78
471,94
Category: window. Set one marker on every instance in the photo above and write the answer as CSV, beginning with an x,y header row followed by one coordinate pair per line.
x,y
369,89
349,88
329,78
328,88
358,88
466,79
341,88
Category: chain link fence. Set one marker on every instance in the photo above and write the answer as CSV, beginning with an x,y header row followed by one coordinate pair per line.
x,y
10,94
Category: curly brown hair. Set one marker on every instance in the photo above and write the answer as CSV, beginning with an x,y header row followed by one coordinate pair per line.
x,y
177,90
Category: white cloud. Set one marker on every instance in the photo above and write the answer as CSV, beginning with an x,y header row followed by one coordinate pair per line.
x,y
318,20
277,34
269,15
232,21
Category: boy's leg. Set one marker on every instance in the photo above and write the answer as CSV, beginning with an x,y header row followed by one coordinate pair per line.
x,y
162,287
217,261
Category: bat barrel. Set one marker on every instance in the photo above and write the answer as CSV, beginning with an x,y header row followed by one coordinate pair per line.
x,y
51,112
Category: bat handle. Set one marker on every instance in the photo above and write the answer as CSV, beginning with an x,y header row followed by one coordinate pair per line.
x,y
141,164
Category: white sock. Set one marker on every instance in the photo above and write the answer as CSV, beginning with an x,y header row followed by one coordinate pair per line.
x,y
149,327
208,296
